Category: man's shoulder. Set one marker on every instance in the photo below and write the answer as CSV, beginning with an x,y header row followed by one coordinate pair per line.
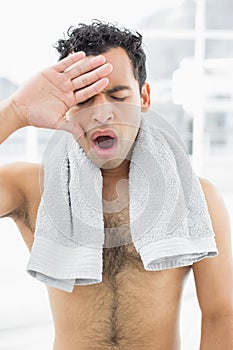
x,y
206,185
210,190
18,168
20,174
219,213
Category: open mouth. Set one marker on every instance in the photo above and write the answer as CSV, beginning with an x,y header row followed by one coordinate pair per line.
x,y
104,142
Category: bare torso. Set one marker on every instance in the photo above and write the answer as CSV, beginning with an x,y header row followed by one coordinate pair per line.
x,y
131,309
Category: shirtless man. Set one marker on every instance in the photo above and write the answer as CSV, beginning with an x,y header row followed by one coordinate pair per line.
x,y
132,309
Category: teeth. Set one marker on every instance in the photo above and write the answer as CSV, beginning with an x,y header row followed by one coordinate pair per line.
x,y
102,138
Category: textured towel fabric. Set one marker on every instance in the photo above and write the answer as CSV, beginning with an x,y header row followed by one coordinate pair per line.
x,y
169,221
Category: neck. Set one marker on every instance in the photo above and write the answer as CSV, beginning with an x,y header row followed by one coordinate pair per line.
x,y
120,171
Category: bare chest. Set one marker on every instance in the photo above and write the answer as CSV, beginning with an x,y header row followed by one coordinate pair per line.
x,y
131,309
119,252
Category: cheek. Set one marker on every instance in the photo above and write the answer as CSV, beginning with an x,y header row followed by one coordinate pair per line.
x,y
129,134
74,114
130,115
84,144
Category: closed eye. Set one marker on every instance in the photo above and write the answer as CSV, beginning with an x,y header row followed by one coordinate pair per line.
x,y
118,98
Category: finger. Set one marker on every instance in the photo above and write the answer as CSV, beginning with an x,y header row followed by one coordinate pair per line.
x,y
85,66
62,65
91,77
89,91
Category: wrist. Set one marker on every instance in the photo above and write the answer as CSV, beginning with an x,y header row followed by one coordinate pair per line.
x,y
9,120
16,113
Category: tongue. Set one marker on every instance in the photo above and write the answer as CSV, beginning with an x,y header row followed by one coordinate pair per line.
x,y
104,141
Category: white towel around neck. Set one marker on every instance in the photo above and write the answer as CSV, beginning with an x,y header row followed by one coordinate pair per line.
x,y
170,224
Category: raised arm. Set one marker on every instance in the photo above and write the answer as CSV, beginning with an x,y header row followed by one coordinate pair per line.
x,y
44,100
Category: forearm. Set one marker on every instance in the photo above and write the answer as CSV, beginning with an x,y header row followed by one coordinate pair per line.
x,y
217,333
9,120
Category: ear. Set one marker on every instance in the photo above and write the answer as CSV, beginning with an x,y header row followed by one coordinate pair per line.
x,y
145,97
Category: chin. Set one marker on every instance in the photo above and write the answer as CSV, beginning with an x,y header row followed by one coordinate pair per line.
x,y
111,164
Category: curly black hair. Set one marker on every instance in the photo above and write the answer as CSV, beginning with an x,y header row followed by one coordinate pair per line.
x,y
99,37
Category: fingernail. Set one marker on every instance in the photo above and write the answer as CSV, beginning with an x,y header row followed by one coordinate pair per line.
x,y
82,53
98,59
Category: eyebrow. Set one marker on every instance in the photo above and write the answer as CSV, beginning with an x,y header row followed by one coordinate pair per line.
x,y
110,91
117,88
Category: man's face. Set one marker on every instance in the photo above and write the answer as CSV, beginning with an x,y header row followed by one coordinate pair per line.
x,y
111,118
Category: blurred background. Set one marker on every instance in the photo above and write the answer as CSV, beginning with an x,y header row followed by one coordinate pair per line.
x,y
189,47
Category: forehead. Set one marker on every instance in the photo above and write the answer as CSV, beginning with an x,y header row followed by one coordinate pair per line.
x,y
122,72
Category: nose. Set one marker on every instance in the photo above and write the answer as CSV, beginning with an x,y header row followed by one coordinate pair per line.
x,y
102,110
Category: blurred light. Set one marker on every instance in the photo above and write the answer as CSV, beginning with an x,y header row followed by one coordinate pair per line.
x,y
217,84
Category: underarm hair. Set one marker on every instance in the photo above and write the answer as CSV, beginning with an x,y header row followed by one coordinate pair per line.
x,y
20,214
